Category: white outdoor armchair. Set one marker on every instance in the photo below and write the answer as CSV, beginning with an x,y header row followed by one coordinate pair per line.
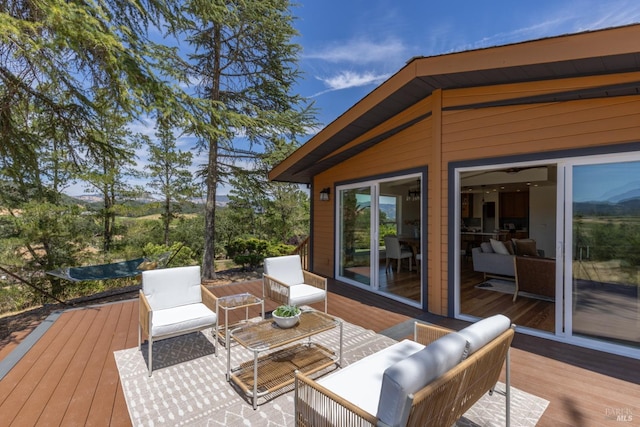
x,y
173,302
285,282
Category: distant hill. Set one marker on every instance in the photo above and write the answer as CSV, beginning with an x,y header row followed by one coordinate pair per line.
x,y
221,200
628,207
620,201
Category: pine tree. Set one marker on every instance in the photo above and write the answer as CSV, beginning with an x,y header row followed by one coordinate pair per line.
x,y
244,61
169,173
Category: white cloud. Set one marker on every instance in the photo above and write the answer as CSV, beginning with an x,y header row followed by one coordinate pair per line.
x,y
566,20
360,52
607,14
349,79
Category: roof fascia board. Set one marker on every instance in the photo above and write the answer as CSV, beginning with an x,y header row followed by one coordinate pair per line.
x,y
616,41
395,82
416,110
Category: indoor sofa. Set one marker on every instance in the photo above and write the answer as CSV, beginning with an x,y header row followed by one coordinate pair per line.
x,y
496,258
492,263
429,381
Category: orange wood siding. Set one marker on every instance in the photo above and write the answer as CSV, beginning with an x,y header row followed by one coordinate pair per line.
x,y
462,97
435,295
503,131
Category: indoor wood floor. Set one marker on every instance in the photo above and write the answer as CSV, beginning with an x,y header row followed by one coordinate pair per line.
x,y
527,312
405,283
69,376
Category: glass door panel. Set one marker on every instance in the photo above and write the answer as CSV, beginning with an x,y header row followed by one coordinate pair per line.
x,y
354,234
399,216
512,208
605,252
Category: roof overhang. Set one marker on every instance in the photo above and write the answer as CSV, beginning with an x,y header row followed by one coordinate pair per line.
x,y
601,52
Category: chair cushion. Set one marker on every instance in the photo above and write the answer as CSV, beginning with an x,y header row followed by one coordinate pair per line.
x,y
486,247
305,294
360,382
408,376
525,247
499,247
485,331
172,287
181,319
287,269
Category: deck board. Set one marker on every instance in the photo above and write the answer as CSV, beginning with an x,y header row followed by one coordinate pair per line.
x,y
69,377
35,377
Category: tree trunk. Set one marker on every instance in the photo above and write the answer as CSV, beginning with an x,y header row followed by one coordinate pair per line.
x,y
208,265
167,219
208,262
106,222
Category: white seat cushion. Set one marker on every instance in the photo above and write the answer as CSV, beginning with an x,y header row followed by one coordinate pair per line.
x,y
171,287
360,382
184,318
401,380
287,269
305,294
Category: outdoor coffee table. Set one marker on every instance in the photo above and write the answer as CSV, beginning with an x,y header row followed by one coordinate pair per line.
x,y
235,302
282,354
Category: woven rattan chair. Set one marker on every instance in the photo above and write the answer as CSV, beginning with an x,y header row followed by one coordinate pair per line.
x,y
173,302
535,275
440,403
285,282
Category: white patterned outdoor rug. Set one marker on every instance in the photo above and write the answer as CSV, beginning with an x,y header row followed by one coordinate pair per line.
x,y
188,386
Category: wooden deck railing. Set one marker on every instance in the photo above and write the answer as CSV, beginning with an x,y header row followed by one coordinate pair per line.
x,y
303,250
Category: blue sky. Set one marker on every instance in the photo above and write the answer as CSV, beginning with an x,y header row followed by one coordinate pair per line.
x,y
351,46
604,182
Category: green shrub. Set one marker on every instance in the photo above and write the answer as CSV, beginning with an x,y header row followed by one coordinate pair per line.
x,y
279,249
178,254
247,252
251,251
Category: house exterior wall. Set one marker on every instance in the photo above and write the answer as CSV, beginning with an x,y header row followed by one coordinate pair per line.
x,y
462,127
407,149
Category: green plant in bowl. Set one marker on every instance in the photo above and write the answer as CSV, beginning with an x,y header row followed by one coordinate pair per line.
x,y
286,316
286,311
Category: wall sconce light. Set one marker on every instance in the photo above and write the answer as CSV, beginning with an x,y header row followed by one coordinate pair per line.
x,y
324,194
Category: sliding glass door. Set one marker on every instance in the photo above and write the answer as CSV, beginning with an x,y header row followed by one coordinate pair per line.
x,y
368,212
603,260
562,255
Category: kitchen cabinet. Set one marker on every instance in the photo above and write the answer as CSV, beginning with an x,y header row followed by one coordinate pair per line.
x,y
467,205
514,204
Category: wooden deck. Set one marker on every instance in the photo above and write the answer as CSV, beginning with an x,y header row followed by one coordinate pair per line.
x,y
69,375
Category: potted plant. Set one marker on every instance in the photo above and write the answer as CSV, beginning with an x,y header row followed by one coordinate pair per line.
x,y
286,316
